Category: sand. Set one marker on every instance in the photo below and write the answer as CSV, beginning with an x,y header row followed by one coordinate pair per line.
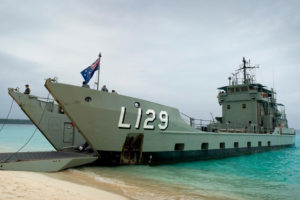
x,y
15,185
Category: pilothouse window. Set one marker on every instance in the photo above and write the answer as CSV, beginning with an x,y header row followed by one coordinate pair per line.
x,y
244,89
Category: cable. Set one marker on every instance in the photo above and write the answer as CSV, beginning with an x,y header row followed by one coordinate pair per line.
x,y
29,139
6,119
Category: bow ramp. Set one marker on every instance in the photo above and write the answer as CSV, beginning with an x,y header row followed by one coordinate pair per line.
x,y
50,119
45,161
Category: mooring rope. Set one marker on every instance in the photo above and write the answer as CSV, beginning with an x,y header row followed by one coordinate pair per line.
x,y
6,119
29,139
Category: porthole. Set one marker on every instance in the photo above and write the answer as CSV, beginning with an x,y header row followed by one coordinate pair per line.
x,y
136,104
88,99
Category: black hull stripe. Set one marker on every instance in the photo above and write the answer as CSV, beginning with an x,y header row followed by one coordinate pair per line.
x,y
167,157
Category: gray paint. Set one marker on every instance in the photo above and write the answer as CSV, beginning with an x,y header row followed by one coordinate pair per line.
x,y
98,121
55,126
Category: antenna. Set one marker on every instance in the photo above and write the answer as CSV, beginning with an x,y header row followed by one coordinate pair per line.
x,y
244,69
246,65
273,77
212,117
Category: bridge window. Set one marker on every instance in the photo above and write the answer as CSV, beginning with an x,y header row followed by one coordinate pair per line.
x,y
222,145
243,105
231,90
237,89
259,144
248,144
236,145
245,88
204,146
228,107
269,143
179,147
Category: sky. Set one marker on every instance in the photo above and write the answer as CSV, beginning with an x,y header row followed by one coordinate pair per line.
x,y
172,52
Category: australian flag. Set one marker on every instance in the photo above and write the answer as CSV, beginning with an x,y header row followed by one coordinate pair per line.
x,y
88,73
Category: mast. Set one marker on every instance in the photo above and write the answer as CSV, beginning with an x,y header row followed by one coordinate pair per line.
x,y
98,71
244,69
246,65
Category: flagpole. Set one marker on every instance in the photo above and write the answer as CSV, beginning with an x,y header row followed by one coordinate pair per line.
x,y
98,71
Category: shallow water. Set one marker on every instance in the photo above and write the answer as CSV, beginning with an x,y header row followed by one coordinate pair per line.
x,y
12,137
268,175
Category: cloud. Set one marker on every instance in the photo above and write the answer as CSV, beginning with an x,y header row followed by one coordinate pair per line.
x,y
171,52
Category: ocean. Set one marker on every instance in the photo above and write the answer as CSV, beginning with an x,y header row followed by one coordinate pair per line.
x,y
270,175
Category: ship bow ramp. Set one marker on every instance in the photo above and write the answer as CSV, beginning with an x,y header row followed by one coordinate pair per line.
x,y
44,161
47,116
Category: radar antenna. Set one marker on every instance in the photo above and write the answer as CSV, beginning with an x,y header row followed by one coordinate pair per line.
x,y
246,65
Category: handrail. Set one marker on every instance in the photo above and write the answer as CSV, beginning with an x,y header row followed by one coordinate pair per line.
x,y
195,123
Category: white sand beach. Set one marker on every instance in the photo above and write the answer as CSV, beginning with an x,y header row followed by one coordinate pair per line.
x,y
15,185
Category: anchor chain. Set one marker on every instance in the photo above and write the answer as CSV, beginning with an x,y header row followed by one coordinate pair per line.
x,y
6,119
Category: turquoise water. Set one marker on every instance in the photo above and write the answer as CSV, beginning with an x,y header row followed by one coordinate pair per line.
x,y
268,175
12,137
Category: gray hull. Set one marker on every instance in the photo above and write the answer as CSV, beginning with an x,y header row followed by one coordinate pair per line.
x,y
126,130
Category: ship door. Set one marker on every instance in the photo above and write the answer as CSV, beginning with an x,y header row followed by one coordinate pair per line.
x,y
68,133
132,149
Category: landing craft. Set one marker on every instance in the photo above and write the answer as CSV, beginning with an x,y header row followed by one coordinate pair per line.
x,y
57,128
50,119
128,130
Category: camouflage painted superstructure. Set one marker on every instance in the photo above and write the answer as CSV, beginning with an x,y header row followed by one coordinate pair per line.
x,y
128,130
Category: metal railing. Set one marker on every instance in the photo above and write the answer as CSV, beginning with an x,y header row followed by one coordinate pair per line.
x,y
195,123
211,126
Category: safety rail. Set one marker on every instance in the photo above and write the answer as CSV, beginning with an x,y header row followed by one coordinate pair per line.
x,y
211,126
17,89
195,123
